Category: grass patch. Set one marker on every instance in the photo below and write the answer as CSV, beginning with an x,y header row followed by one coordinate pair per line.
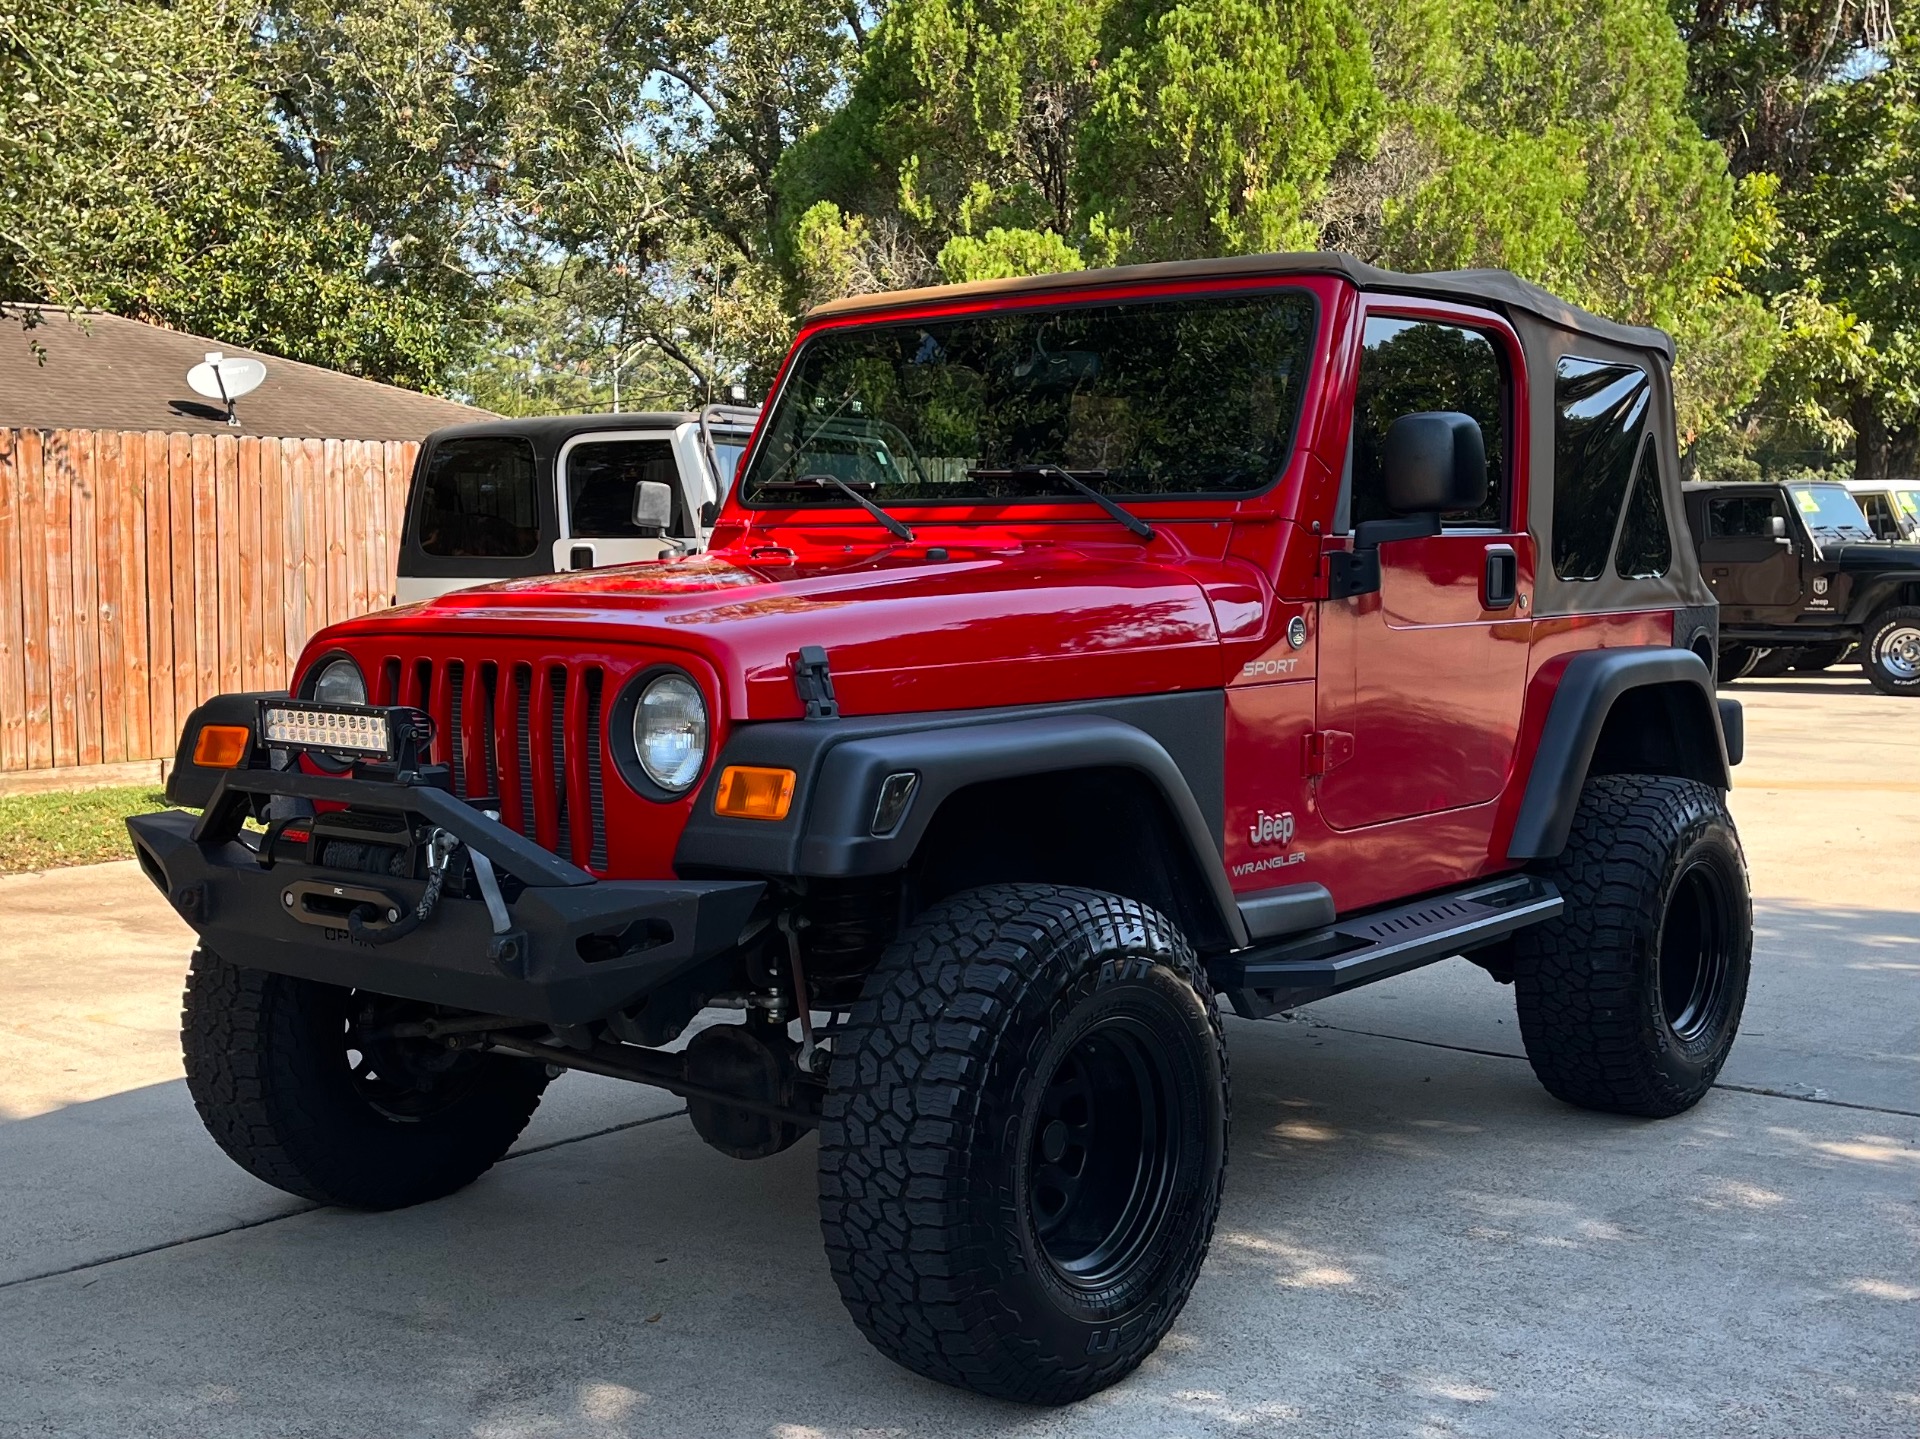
x,y
47,831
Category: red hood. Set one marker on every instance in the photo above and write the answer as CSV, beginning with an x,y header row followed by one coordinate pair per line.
x,y
1024,624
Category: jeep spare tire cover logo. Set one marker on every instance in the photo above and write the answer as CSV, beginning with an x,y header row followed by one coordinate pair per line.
x,y
1271,828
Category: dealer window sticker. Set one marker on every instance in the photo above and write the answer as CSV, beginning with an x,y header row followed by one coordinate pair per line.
x,y
1809,503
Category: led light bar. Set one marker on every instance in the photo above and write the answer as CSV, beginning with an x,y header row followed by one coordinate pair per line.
x,y
363,730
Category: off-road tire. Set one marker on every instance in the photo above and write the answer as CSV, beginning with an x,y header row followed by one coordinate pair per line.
x,y
1887,651
1603,990
267,1067
933,1141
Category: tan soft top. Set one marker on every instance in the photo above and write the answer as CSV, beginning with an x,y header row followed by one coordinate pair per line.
x,y
1498,288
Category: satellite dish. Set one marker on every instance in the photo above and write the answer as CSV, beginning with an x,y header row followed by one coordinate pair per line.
x,y
226,380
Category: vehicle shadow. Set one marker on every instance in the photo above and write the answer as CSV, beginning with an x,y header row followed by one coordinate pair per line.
x,y
1413,1239
1824,682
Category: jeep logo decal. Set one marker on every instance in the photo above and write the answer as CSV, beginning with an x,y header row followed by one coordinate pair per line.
x,y
1271,828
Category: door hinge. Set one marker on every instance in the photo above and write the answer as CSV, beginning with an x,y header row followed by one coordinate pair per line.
x,y
1325,749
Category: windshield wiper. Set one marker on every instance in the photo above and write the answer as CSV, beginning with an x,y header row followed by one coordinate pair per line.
x,y
1041,472
821,482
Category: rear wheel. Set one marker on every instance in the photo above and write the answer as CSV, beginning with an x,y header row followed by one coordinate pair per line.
x,y
1629,1000
1024,1140
1771,664
1890,650
307,1086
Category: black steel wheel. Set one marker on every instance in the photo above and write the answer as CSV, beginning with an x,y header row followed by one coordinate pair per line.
x,y
1102,1151
322,1092
1629,1001
1699,949
1024,1140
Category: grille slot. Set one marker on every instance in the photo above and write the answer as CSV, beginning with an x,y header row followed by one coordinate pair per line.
x,y
488,728
523,741
557,738
596,801
456,740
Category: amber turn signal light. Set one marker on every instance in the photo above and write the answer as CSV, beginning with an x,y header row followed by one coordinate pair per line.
x,y
749,792
222,746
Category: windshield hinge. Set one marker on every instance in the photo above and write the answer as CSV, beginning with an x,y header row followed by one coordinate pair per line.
x,y
813,681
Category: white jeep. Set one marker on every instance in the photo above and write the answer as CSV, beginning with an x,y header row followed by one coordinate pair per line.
x,y
503,499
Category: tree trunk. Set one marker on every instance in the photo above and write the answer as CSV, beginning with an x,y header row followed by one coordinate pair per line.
x,y
1871,442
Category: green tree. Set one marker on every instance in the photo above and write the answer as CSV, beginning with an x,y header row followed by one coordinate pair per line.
x,y
140,172
1218,124
987,137
1554,138
1815,101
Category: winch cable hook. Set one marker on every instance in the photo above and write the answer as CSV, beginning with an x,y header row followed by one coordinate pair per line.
x,y
441,846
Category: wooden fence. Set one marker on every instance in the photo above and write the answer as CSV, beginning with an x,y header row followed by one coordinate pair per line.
x,y
142,572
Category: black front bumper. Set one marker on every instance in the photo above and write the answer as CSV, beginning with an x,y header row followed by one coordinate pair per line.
x,y
239,905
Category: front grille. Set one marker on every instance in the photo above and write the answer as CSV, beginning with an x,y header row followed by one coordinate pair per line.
x,y
527,738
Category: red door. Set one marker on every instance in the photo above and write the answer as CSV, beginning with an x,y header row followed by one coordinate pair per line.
x,y
1421,683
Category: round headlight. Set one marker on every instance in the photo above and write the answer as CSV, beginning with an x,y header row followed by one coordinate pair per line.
x,y
670,731
340,683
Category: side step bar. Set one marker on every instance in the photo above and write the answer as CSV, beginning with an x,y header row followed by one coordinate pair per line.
x,y
1269,978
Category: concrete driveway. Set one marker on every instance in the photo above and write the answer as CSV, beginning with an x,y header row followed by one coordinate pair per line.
x,y
1416,1240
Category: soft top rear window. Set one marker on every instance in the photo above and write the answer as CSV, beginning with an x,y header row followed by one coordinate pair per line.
x,y
1143,398
479,500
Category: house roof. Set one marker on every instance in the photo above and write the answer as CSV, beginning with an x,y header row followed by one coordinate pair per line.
x,y
1497,287
102,372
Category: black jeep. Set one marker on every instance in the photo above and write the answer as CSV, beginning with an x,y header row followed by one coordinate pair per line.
x,y
1801,580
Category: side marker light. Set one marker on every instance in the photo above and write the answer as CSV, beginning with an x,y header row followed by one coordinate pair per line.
x,y
222,746
751,792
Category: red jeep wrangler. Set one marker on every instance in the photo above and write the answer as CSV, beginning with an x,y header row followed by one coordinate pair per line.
x,y
1072,651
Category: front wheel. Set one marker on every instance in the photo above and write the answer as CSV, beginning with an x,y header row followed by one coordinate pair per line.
x,y
1890,650
1630,999
322,1092
1024,1140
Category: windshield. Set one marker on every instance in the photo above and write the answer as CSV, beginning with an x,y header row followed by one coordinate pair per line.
x,y
1830,512
1187,396
727,450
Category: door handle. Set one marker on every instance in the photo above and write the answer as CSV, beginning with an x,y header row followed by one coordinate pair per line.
x,y
580,557
1500,581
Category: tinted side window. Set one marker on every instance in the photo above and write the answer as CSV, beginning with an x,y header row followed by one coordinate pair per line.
x,y
1880,516
600,480
1600,411
1745,517
1413,366
480,501
1645,551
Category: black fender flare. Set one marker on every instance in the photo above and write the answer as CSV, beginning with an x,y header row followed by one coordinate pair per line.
x,y
1878,593
840,774
1585,695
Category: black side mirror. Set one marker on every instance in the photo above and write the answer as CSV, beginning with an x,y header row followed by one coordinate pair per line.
x,y
1434,463
652,507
